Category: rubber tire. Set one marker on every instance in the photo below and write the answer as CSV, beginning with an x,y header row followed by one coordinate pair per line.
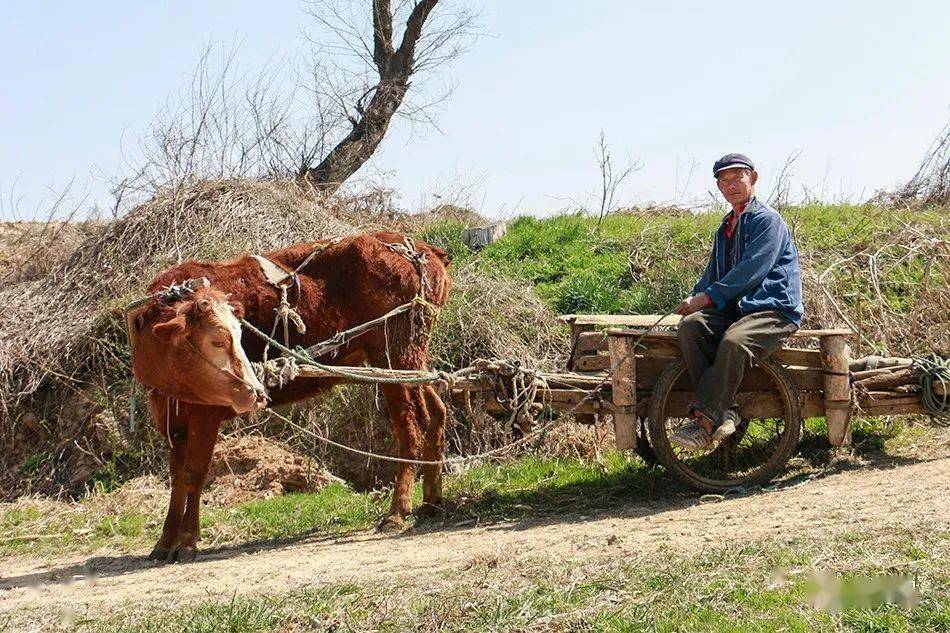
x,y
776,463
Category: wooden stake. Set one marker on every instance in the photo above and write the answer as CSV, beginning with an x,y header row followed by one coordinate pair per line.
x,y
834,362
623,384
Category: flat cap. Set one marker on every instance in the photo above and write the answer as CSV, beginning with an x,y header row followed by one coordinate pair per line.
x,y
729,161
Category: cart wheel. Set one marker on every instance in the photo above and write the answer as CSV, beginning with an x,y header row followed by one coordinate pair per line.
x,y
756,453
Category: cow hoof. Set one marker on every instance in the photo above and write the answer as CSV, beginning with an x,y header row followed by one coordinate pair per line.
x,y
182,555
187,554
159,553
391,525
430,510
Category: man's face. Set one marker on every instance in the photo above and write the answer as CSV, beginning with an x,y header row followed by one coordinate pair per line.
x,y
736,184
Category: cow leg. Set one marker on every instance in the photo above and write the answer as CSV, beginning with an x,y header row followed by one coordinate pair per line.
x,y
202,437
403,416
171,428
433,447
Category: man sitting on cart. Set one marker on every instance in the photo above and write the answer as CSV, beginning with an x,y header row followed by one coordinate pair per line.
x,y
746,304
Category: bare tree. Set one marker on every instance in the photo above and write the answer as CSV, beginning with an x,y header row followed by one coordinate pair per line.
x,y
318,119
371,91
611,177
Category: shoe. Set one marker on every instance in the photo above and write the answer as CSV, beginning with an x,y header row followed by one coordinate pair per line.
x,y
729,421
692,436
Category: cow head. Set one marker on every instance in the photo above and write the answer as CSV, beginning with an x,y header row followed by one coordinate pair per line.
x,y
191,350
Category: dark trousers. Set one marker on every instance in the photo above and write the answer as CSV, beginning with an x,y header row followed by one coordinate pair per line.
x,y
718,349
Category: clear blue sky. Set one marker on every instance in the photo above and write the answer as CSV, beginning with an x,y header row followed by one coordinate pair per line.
x,y
861,87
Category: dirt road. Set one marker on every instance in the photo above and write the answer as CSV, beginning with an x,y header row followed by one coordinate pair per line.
x,y
914,495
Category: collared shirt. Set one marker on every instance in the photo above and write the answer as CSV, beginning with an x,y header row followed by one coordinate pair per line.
x,y
734,219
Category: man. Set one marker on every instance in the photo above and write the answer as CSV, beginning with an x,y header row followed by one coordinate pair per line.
x,y
746,304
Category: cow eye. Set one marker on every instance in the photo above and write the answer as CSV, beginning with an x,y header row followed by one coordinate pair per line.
x,y
219,344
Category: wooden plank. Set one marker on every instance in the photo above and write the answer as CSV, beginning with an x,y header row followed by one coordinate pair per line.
x,y
635,332
754,404
834,361
901,408
623,384
630,320
595,341
649,368
793,356
592,362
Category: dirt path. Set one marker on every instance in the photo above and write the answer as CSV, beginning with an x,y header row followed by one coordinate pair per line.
x,y
912,496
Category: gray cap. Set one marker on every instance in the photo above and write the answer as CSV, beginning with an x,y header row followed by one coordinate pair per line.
x,y
730,161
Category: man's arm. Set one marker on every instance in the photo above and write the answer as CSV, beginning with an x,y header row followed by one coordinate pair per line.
x,y
764,249
698,298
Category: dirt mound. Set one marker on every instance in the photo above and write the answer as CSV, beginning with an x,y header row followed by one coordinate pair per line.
x,y
253,467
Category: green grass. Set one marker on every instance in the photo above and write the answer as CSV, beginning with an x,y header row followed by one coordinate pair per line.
x,y
762,586
644,264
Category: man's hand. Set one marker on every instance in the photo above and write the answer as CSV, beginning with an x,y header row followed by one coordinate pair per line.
x,y
693,304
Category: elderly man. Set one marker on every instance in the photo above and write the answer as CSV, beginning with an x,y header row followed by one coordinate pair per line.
x,y
746,304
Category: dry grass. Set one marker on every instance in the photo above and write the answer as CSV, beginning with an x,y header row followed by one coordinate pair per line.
x,y
63,353
64,375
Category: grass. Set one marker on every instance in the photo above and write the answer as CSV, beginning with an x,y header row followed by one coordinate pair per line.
x,y
760,586
643,264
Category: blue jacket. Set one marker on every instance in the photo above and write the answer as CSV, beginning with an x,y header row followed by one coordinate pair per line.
x,y
766,275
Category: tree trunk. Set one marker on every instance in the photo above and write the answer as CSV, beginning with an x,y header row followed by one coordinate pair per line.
x,y
395,66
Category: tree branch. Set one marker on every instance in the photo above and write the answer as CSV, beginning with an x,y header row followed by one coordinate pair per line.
x,y
382,34
414,24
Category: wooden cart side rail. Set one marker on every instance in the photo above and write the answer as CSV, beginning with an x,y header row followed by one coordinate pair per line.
x,y
662,344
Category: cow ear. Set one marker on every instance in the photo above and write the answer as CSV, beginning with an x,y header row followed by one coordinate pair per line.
x,y
169,328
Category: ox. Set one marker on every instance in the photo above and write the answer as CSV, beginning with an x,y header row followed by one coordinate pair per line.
x,y
191,355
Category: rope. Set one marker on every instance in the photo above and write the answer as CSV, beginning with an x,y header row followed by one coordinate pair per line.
x,y
373,375
418,462
460,459
933,370
342,338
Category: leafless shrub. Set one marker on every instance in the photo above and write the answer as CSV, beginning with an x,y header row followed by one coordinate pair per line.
x,y
780,196
892,292
611,177
930,186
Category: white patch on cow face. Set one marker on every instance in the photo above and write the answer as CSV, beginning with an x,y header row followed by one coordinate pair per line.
x,y
226,313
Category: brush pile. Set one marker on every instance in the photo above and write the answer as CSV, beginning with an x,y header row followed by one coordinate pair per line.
x,y
65,382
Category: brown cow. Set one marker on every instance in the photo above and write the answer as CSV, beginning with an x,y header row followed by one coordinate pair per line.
x,y
192,355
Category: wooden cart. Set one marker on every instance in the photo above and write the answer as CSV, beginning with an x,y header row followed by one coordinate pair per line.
x,y
649,386
629,367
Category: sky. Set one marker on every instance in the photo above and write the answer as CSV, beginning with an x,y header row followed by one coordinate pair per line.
x,y
860,89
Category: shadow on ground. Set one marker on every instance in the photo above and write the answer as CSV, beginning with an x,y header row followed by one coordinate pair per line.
x,y
636,490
